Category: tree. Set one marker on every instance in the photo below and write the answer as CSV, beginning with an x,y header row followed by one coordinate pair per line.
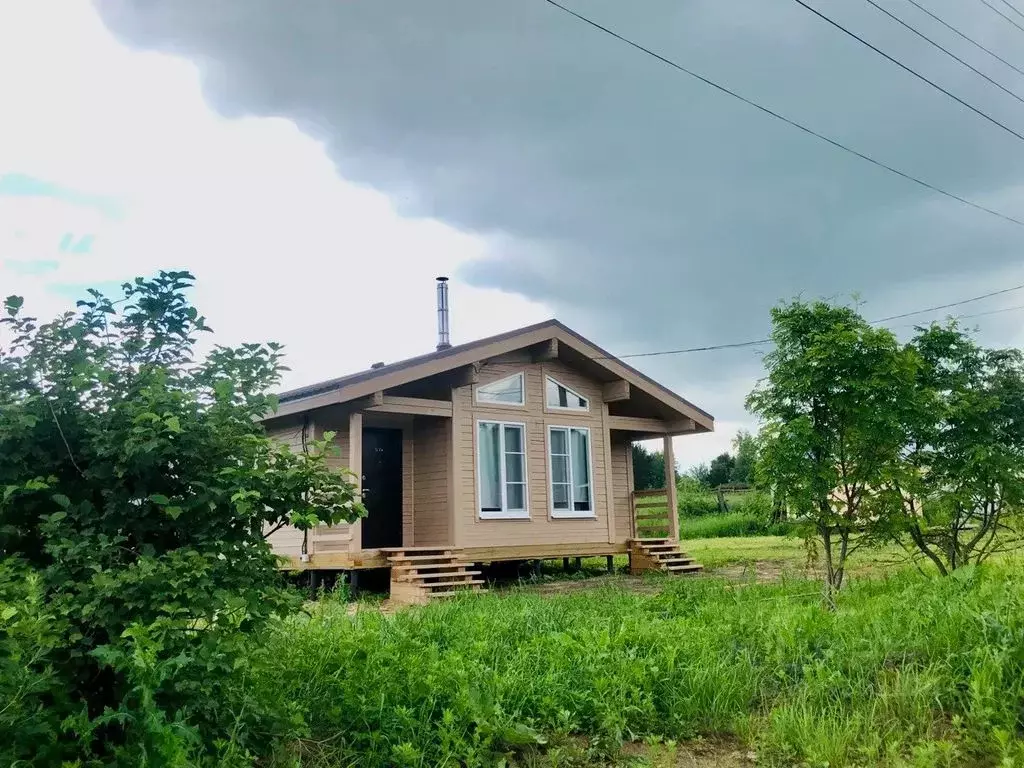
x,y
959,486
832,404
648,468
720,470
745,445
136,486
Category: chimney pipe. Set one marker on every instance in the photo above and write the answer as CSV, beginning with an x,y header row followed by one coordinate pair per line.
x,y
443,339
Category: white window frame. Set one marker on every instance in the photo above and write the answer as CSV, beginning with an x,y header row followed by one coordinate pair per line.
x,y
570,390
521,375
504,513
572,513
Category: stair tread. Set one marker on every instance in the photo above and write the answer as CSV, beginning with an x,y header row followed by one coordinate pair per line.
x,y
432,569
452,578
421,558
464,582
446,550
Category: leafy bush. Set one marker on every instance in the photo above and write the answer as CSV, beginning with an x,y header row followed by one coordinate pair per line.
x,y
906,666
135,488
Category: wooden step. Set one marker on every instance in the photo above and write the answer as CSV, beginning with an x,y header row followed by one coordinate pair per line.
x,y
448,584
688,568
422,558
419,577
419,550
675,560
401,569
659,547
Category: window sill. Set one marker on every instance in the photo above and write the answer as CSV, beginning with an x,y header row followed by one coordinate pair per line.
x,y
503,515
564,515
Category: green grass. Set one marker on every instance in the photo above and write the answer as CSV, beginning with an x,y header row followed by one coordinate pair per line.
x,y
909,670
731,524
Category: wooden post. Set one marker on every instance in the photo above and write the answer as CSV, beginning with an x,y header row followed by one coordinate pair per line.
x,y
670,489
609,488
355,463
611,563
454,467
579,564
565,564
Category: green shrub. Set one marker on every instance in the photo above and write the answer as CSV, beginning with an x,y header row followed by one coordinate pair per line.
x,y
135,488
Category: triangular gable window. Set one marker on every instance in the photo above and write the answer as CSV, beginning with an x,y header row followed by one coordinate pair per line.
x,y
507,391
560,396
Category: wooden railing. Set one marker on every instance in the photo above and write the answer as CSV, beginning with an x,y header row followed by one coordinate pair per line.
x,y
651,514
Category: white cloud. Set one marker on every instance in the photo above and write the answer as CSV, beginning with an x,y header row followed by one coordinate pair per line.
x,y
282,247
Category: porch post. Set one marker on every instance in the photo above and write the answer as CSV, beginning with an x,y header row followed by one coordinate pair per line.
x,y
454,466
670,489
355,463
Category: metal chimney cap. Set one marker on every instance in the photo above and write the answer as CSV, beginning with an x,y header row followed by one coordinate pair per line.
x,y
441,279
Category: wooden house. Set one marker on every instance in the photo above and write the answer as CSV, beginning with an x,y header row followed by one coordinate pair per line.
x,y
513,447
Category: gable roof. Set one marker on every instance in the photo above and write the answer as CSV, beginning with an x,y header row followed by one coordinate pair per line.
x,y
367,382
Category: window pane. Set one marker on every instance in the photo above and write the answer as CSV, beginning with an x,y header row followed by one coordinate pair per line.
x,y
509,390
490,466
516,494
513,439
558,441
560,493
581,468
560,469
551,391
513,467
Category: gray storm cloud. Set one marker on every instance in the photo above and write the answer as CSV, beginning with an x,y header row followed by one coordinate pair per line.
x,y
642,205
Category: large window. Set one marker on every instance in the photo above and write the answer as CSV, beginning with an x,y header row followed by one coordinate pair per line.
x,y
501,469
507,391
571,492
560,396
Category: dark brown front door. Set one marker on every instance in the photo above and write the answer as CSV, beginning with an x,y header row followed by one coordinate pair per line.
x,y
382,488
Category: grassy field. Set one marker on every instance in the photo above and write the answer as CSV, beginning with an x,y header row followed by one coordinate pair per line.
x,y
911,670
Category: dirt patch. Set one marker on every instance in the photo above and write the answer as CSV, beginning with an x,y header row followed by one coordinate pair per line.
x,y
761,571
700,753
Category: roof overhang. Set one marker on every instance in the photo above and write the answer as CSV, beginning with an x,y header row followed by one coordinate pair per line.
x,y
465,356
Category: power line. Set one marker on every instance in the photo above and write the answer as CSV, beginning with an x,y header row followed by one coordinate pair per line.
x,y
778,116
996,10
756,342
970,40
947,306
1012,7
946,51
913,72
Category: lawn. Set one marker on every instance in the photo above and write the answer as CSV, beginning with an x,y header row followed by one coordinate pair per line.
x,y
909,670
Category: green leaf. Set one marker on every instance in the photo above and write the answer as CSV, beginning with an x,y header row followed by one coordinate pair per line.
x,y
12,304
62,500
173,424
173,512
8,613
159,498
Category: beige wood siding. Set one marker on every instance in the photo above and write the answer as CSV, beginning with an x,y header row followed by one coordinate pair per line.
x,y
540,528
287,541
333,538
430,460
622,474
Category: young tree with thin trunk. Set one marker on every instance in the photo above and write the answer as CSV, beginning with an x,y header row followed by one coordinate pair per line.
x,y
958,489
832,409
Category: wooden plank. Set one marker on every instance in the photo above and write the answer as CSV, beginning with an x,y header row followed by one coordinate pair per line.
x,y
609,483
355,463
455,456
652,426
653,492
614,391
416,406
539,551
670,486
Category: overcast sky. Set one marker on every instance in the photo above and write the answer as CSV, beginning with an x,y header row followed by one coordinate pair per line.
x,y
317,163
